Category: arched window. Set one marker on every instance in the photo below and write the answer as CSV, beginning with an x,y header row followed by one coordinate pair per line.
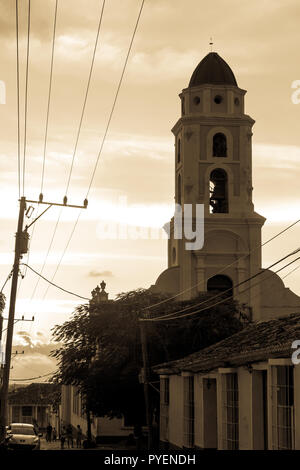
x,y
219,145
218,189
182,106
179,189
220,283
178,151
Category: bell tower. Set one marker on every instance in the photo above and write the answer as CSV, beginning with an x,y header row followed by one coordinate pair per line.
x,y
213,167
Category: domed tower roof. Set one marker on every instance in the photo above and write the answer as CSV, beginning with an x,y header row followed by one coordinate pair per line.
x,y
213,70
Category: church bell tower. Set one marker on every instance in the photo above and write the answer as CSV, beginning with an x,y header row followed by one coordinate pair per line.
x,y
213,167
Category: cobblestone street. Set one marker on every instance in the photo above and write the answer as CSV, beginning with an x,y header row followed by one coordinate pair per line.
x,y
56,446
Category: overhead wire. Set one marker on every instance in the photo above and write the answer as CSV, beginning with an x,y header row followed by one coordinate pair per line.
x,y
33,378
217,303
18,98
62,255
26,95
222,269
115,99
85,97
49,96
76,143
6,281
174,315
55,285
107,127
234,287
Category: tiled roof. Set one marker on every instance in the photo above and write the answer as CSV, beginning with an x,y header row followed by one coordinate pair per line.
x,y
34,394
257,342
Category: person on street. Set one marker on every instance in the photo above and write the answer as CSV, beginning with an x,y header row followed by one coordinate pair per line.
x,y
70,435
49,433
78,436
62,437
54,434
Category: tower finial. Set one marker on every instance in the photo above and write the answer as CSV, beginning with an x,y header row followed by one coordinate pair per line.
x,y
211,44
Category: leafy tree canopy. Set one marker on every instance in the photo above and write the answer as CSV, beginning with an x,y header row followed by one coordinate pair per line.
x,y
101,346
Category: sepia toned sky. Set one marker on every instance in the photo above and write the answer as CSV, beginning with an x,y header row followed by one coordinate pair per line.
x,y
134,182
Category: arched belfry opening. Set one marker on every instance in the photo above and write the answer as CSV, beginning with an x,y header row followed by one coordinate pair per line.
x,y
178,151
219,145
220,283
218,189
179,189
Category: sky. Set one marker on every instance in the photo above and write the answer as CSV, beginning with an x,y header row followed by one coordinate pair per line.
x,y
134,182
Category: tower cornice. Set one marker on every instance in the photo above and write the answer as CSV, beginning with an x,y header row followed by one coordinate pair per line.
x,y
212,121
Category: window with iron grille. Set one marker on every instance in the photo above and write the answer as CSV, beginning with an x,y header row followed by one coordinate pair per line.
x,y
282,399
164,408
230,415
188,411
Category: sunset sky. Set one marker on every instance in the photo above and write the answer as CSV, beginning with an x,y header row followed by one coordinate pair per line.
x,y
134,182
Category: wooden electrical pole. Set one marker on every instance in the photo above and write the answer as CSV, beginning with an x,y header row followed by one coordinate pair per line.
x,y
145,378
21,247
11,316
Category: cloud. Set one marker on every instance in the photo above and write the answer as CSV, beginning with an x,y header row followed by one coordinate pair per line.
x,y
100,274
35,361
25,336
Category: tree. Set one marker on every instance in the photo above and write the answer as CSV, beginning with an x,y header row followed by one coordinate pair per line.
x,y
110,379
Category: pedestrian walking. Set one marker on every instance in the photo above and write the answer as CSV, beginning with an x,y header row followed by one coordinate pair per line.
x,y
54,434
49,433
78,436
69,436
62,437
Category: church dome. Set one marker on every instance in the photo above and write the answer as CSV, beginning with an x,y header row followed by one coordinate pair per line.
x,y
212,70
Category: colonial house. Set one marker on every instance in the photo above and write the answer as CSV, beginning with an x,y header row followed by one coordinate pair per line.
x,y
241,393
103,429
244,392
35,403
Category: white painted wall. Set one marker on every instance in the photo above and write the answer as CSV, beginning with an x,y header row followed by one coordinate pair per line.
x,y
176,411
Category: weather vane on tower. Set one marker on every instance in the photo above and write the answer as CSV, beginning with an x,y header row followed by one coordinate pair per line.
x,y
211,44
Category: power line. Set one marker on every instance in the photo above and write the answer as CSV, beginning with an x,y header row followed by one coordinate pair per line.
x,y
222,269
33,378
86,95
63,253
6,281
171,316
18,98
49,95
55,285
26,96
106,130
47,254
293,270
217,303
116,97
230,289
75,149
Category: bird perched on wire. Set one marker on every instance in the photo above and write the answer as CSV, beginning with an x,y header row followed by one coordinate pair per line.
x,y
65,200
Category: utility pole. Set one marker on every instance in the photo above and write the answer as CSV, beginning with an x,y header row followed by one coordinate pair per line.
x,y
145,380
19,248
